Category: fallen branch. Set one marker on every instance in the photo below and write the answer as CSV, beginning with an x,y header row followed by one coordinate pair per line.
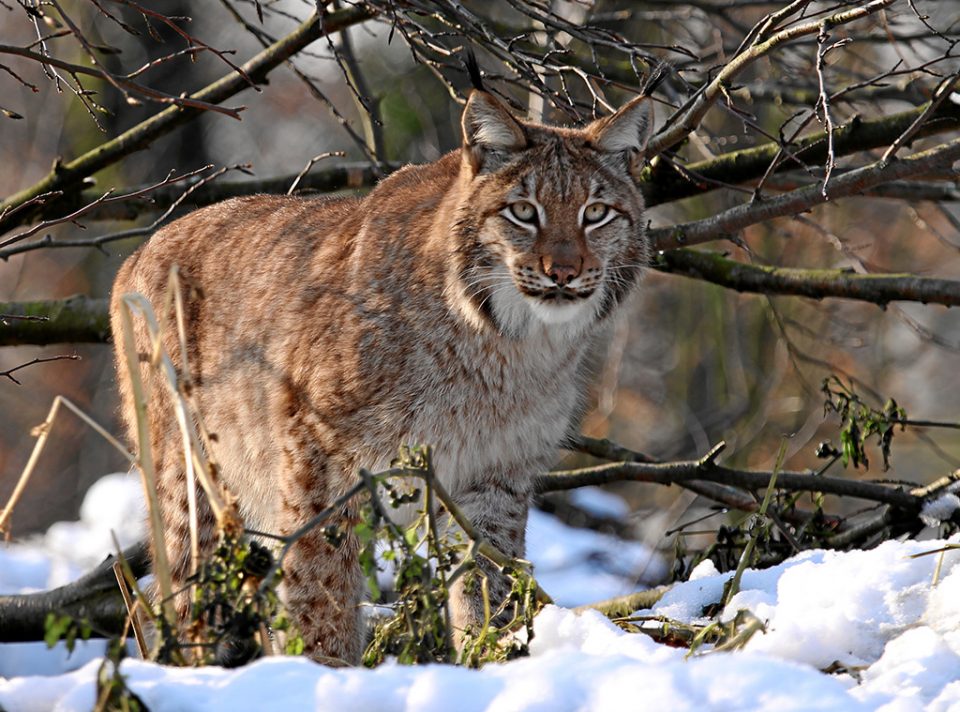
x,y
94,597
97,598
900,510
623,606
706,470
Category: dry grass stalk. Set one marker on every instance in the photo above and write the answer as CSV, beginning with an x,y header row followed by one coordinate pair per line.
x,y
42,432
132,610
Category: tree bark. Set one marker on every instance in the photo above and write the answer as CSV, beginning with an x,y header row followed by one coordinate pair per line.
x,y
94,598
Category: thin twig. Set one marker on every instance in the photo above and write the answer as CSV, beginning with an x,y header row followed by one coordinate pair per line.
x,y
44,359
310,164
104,199
945,90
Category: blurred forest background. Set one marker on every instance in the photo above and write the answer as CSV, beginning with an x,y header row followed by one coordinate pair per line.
x,y
691,363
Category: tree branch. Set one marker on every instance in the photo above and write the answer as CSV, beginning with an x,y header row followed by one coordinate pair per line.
x,y
76,319
344,176
705,470
66,176
124,85
85,320
47,359
878,289
800,200
104,199
688,118
664,183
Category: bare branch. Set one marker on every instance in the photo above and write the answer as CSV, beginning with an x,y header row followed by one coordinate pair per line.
x,y
797,201
345,176
45,359
708,471
689,117
126,86
103,199
880,289
310,164
94,598
940,95
69,175
98,242
662,184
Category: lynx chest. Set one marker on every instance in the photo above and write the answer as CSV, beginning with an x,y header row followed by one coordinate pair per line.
x,y
495,411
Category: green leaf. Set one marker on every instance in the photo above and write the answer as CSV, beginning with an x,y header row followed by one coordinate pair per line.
x,y
54,628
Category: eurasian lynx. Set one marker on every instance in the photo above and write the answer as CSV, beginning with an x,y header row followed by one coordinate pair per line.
x,y
453,306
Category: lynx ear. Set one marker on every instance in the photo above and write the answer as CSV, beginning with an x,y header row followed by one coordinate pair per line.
x,y
488,127
627,130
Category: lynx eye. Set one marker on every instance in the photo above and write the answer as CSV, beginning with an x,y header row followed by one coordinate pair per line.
x,y
595,212
524,211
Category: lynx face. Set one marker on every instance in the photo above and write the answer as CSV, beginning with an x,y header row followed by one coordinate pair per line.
x,y
557,230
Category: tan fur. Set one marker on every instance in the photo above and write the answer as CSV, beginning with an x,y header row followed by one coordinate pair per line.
x,y
323,334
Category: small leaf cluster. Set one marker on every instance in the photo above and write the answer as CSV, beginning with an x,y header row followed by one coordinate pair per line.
x,y
426,558
771,546
859,422
418,631
498,643
230,607
60,626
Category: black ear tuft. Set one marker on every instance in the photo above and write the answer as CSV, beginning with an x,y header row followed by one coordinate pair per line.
x,y
473,69
655,78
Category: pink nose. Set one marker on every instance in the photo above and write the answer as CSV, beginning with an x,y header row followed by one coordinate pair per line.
x,y
562,274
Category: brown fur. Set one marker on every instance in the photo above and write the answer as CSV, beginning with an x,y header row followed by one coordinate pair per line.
x,y
323,334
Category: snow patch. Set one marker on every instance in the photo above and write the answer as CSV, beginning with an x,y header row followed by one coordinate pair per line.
x,y
891,617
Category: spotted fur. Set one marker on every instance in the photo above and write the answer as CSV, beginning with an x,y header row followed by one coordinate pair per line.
x,y
323,334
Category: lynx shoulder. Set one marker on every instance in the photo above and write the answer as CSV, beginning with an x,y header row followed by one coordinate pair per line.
x,y
452,306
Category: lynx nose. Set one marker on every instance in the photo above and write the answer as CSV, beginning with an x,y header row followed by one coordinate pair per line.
x,y
562,274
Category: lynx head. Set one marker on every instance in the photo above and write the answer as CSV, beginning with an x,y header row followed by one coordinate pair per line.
x,y
549,226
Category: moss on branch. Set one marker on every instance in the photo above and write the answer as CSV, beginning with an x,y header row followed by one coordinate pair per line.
x,y
76,319
81,319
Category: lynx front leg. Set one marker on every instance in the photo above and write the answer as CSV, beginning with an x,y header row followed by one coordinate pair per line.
x,y
497,508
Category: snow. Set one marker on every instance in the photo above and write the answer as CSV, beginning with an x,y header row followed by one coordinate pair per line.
x,y
939,509
887,619
600,503
579,566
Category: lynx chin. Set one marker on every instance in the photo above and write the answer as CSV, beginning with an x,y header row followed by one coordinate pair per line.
x,y
452,306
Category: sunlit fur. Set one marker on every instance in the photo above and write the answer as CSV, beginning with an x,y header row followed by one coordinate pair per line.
x,y
323,334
